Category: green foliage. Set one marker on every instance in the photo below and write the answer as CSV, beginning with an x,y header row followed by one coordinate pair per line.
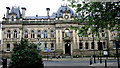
x,y
25,55
96,15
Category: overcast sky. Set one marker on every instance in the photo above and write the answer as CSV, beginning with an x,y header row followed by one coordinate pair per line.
x,y
34,7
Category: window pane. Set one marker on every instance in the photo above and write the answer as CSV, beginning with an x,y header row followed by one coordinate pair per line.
x,y
52,46
39,34
8,47
26,34
81,46
114,45
86,45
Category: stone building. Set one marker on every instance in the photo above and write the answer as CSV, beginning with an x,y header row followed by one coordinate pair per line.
x,y
53,32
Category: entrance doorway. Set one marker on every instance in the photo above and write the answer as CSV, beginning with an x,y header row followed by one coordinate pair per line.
x,y
67,49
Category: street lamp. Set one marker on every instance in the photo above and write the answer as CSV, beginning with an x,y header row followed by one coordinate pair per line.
x,y
117,41
94,48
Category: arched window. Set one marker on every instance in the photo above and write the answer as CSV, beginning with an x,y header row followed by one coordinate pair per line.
x,y
52,34
92,45
52,46
39,34
81,46
32,34
8,34
66,33
26,34
86,45
15,34
12,18
45,34
8,47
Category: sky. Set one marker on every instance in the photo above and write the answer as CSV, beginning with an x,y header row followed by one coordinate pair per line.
x,y
34,7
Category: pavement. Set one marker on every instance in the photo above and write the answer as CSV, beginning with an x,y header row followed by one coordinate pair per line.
x,y
76,62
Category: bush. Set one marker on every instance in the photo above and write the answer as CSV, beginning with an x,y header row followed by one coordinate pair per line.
x,y
25,55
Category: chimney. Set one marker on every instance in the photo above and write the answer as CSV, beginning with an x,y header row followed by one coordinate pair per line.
x,y
23,12
48,9
7,11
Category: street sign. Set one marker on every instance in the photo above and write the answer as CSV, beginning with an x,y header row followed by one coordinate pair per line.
x,y
47,50
105,52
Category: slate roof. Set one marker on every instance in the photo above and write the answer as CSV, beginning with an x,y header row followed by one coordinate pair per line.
x,y
63,9
15,10
59,12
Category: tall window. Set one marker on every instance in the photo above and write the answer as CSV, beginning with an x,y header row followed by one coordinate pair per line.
x,y
15,34
63,34
66,33
12,18
104,45
52,33
26,34
45,46
45,34
81,46
86,45
39,46
114,45
39,34
92,45
8,47
103,33
52,46
8,34
32,34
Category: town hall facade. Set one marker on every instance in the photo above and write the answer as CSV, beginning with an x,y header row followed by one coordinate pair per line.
x,y
53,32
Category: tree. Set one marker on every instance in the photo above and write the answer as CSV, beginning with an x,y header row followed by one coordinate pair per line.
x,y
25,55
96,16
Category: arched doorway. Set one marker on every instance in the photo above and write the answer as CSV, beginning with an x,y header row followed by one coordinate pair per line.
x,y
68,49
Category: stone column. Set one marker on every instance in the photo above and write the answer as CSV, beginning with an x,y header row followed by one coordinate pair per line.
x,y
42,34
57,46
96,45
49,33
61,39
77,46
90,45
74,40
83,45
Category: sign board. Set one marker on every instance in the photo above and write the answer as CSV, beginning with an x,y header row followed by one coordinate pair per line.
x,y
105,52
47,50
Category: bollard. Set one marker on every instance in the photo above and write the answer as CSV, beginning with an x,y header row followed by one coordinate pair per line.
x,y
90,61
4,62
105,63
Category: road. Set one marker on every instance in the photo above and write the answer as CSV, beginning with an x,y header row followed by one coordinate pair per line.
x,y
75,63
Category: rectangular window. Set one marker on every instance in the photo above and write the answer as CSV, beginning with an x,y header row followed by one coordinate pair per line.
x,y
52,46
104,45
114,45
8,47
63,34
45,47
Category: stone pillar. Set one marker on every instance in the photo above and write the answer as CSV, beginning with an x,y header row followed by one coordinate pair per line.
x,y
29,33
90,45
74,40
57,46
83,45
35,34
49,33
12,34
42,34
61,39
96,45
77,46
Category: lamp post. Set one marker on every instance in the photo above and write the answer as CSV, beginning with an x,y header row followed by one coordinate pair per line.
x,y
94,48
117,41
